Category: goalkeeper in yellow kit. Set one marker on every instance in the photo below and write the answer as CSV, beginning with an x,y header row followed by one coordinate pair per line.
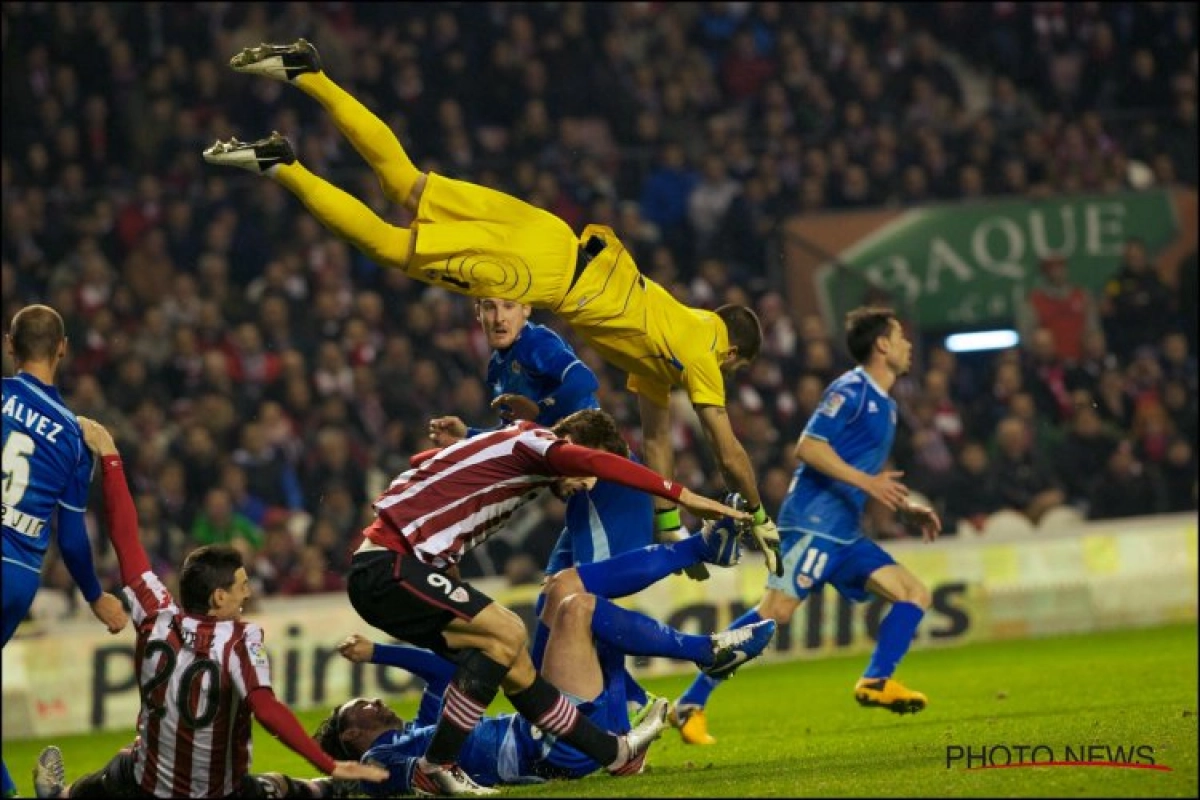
x,y
480,242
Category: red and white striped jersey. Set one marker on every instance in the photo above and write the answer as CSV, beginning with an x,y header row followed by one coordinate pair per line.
x,y
194,673
459,497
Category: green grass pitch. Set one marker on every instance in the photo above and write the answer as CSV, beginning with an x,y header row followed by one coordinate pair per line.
x,y
793,729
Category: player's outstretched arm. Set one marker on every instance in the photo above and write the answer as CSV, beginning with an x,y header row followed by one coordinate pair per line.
x,y
732,458
574,461
118,504
280,721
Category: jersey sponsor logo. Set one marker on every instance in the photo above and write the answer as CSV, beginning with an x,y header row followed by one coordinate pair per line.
x,y
832,404
21,522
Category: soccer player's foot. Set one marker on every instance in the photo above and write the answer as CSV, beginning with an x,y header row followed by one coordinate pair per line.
x,y
256,157
888,693
50,774
440,780
283,62
636,743
692,724
735,647
637,713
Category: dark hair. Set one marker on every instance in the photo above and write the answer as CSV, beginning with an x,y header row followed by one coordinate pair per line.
x,y
864,326
205,570
593,428
36,332
329,736
745,332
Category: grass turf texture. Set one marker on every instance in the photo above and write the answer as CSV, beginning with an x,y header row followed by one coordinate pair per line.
x,y
793,729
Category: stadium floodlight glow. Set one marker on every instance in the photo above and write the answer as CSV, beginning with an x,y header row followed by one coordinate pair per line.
x,y
978,341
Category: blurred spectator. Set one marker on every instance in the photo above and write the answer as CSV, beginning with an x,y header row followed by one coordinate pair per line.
x,y
971,493
1087,444
1179,475
1022,480
1136,309
1063,308
1127,487
218,523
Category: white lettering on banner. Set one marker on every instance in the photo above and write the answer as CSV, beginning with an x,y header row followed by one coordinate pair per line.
x,y
1097,576
941,258
1104,228
1005,265
1040,239
893,273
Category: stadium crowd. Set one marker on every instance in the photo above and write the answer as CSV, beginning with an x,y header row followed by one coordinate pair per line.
x,y
265,381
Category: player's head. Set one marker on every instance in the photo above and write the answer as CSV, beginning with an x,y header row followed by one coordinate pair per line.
x,y
592,428
501,319
214,582
350,729
745,337
37,336
874,334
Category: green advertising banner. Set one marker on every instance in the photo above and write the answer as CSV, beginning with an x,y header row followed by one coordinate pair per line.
x,y
971,265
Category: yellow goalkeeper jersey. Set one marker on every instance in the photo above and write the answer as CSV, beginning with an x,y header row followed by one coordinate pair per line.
x,y
640,327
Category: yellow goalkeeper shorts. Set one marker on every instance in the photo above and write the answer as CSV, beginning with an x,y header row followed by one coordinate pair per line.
x,y
480,242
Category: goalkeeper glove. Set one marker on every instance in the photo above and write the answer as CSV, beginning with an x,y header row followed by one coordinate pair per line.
x,y
767,535
668,527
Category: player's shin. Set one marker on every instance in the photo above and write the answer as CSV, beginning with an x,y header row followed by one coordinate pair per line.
x,y
895,636
475,684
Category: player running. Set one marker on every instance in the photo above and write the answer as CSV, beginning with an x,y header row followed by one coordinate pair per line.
x,y
476,241
841,452
202,672
585,657
403,579
46,468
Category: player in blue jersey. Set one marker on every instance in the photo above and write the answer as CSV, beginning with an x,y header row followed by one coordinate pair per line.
x,y
842,453
47,468
585,656
534,374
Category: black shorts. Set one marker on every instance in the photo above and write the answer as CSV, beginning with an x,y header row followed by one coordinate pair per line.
x,y
117,781
412,601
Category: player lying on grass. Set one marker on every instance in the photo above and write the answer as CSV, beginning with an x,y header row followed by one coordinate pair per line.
x,y
404,577
201,671
476,241
842,452
589,638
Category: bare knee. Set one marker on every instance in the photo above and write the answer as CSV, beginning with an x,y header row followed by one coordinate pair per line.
x,y
575,611
558,588
506,637
777,606
917,593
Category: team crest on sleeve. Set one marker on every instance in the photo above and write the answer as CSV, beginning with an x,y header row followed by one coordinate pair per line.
x,y
832,404
258,654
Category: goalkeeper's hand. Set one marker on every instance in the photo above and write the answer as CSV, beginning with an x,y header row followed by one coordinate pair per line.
x,y
767,536
669,528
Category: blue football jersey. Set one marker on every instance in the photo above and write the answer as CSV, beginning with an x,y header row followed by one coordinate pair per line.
x,y
46,465
536,366
858,420
499,750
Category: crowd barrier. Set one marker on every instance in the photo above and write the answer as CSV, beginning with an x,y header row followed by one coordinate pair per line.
x,y
75,678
